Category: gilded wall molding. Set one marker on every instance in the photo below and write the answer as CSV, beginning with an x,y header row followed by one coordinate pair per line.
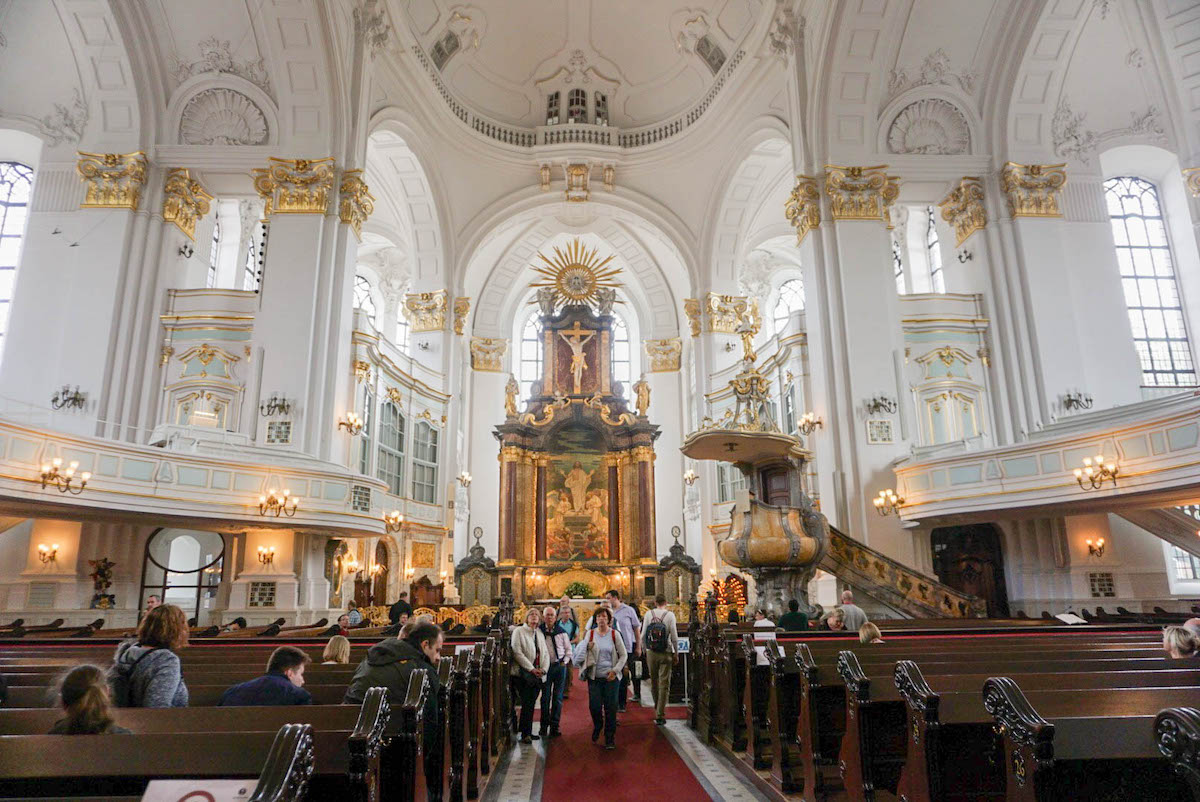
x,y
426,310
860,193
664,354
803,206
963,208
691,308
487,354
185,201
355,203
114,180
462,307
726,313
1191,177
295,186
1032,189
362,371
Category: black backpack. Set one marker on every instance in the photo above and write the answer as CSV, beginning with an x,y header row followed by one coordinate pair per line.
x,y
657,638
121,682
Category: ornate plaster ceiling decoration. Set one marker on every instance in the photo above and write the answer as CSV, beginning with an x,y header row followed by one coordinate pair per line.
x,y
929,127
222,117
216,56
653,59
1072,139
935,70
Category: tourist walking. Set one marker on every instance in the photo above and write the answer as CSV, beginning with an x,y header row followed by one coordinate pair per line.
x,y
570,625
660,639
600,656
560,657
855,616
531,662
625,621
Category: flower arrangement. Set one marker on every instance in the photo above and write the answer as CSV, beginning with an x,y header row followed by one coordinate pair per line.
x,y
102,579
578,590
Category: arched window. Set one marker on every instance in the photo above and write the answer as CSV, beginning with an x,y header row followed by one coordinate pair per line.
x,y
184,567
425,455
622,366
791,299
213,251
601,109
530,370
16,182
552,110
403,332
1148,278
390,467
937,282
255,254
577,106
445,47
898,264
363,299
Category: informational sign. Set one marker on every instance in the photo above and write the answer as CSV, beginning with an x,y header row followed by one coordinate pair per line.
x,y
464,647
684,646
199,790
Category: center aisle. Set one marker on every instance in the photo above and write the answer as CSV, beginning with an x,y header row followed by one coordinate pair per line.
x,y
644,764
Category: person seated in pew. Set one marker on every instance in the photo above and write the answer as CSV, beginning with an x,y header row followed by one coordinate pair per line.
x,y
146,671
835,620
234,625
395,629
343,624
855,616
793,620
869,633
152,601
1179,642
1192,625
83,693
354,615
761,621
400,608
283,684
337,651
484,626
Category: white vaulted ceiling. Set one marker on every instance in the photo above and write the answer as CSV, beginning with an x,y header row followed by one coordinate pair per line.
x,y
642,52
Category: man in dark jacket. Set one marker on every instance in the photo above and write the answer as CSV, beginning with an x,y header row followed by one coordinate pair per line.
x,y
281,685
399,607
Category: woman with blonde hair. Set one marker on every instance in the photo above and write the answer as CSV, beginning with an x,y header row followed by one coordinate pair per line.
x,y
336,651
1179,642
835,620
869,633
83,692
146,671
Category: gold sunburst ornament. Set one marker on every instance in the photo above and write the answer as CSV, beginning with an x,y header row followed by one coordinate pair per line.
x,y
576,275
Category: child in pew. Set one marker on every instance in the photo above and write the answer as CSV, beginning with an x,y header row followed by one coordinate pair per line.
x,y
283,684
869,633
83,692
337,651
146,671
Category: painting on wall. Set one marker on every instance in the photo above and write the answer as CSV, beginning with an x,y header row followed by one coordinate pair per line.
x,y
577,508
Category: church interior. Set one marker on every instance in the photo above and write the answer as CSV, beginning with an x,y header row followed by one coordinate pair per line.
x,y
737,308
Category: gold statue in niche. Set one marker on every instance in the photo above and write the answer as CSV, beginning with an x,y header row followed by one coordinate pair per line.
x,y
574,338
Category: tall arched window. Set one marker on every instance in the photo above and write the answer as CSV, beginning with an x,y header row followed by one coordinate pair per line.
x,y
1148,279
425,455
390,467
16,182
898,264
601,101
791,299
213,251
937,282
531,355
552,110
403,332
363,299
184,567
622,366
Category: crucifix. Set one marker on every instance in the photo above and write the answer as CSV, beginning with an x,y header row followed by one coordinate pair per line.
x,y
574,338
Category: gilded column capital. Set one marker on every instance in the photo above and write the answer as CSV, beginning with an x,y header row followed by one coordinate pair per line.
x,y
362,371
1191,177
691,308
185,201
487,354
860,193
803,206
426,311
114,180
726,313
1032,189
642,453
355,201
664,354
295,186
462,306
963,208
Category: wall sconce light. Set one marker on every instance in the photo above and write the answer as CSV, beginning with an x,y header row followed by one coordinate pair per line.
x,y
266,554
690,477
48,554
1095,472
352,423
393,521
350,564
275,405
275,504
408,573
464,479
186,250
887,502
1095,548
53,473
1076,401
809,423
377,569
882,403
66,397
443,577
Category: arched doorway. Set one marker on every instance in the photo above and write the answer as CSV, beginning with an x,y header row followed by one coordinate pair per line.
x,y
970,559
380,582
184,567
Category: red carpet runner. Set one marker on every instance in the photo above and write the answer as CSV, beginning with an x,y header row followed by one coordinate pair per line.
x,y
644,765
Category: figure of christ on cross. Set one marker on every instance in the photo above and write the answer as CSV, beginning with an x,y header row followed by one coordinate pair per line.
x,y
574,338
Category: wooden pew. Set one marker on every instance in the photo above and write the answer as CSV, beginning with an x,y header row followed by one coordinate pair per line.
x,y
1177,732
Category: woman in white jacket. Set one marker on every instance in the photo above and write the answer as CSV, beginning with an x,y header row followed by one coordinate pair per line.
x,y
531,661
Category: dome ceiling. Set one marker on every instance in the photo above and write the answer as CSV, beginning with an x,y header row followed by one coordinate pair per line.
x,y
650,60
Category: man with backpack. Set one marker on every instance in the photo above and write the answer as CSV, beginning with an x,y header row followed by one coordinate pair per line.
x,y
660,641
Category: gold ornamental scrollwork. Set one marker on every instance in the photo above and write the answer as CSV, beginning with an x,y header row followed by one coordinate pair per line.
x,y
803,206
860,193
114,180
362,371
727,313
487,353
548,412
664,354
295,186
185,201
1032,189
462,307
691,308
395,396
963,208
1191,178
426,310
355,203
624,419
